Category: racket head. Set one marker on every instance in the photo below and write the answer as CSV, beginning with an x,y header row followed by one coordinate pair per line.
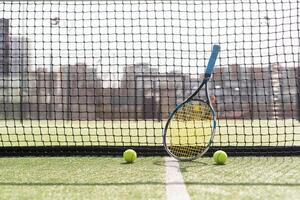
x,y
189,130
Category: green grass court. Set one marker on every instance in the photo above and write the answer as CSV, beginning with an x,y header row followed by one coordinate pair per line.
x,y
109,178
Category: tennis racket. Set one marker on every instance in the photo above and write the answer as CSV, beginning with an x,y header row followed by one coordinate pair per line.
x,y
190,128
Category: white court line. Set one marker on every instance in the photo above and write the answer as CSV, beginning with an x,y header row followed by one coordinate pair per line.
x,y
175,187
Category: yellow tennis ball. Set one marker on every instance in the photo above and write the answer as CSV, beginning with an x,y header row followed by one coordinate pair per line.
x,y
197,108
220,157
129,155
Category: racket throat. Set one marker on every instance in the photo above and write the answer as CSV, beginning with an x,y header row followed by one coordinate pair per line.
x,y
206,77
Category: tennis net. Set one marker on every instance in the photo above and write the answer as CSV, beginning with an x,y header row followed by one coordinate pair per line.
x,y
97,77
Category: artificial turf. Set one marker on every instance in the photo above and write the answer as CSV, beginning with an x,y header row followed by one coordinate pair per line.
x,y
243,178
110,178
81,178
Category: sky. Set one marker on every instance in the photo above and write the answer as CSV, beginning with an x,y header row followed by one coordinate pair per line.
x,y
169,35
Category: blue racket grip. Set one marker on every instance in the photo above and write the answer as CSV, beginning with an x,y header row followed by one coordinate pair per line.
x,y
212,60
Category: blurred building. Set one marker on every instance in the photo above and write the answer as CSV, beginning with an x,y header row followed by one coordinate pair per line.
x,y
19,63
14,62
67,92
255,93
4,47
143,94
239,92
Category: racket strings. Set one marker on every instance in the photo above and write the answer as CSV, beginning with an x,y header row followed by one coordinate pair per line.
x,y
193,111
186,151
190,129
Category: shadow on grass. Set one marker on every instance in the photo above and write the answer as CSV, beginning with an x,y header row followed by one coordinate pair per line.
x,y
191,163
126,163
185,168
149,183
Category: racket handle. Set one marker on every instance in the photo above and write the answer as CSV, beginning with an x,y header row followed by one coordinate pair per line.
x,y
212,60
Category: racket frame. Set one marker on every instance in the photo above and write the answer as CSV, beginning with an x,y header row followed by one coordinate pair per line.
x,y
214,123
205,81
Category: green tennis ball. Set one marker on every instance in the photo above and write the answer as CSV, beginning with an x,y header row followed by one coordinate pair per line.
x,y
220,157
129,155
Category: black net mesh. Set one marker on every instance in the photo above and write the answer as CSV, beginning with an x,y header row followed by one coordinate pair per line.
x,y
91,76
